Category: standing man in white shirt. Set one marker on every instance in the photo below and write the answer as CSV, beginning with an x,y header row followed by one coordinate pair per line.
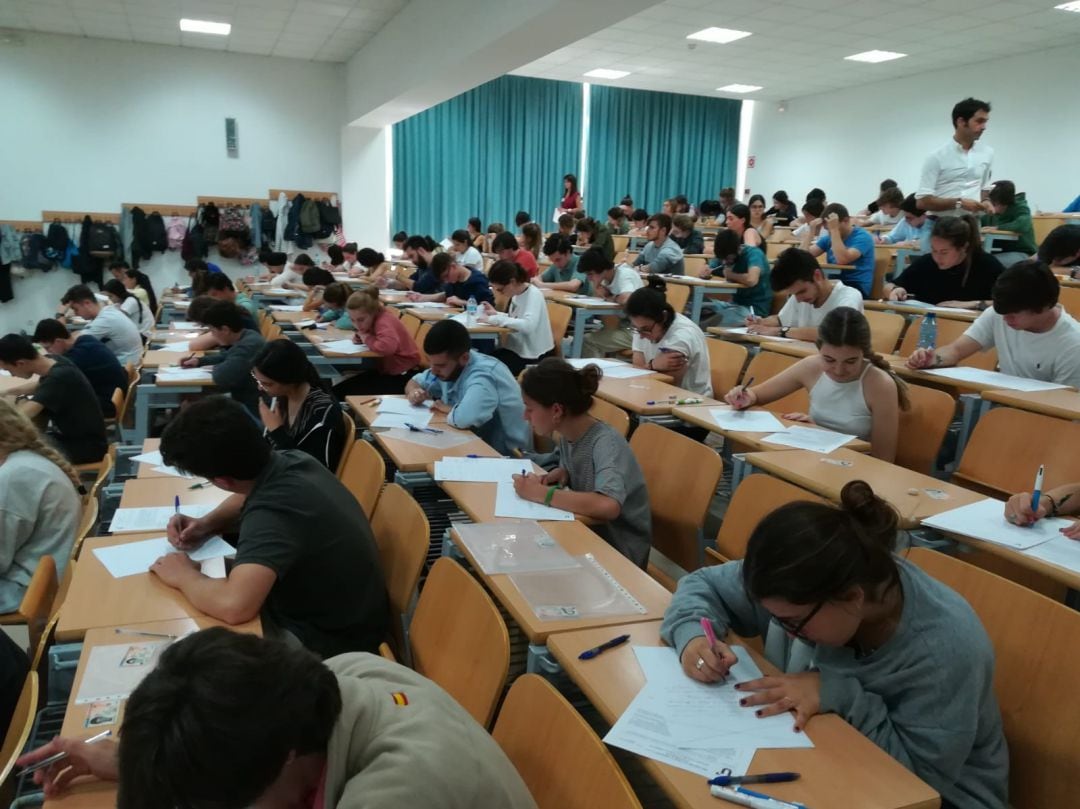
x,y
956,177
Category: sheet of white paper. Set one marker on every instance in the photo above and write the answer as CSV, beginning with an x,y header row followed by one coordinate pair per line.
x,y
924,305
402,407
745,330
281,307
461,318
1060,551
182,346
111,673
344,347
508,504
625,370
480,470
602,364
175,374
747,421
585,300
704,761
1006,381
180,304
153,518
305,324
149,457
423,305
176,473
444,440
421,418
985,520
136,557
278,292
213,568
185,325
815,440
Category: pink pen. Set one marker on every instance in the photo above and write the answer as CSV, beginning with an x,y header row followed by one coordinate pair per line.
x,y
710,636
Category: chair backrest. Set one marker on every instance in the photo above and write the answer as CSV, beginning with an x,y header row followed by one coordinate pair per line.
x,y
923,427
612,415
883,261
1035,640
559,757
726,361
86,524
677,295
1007,447
885,329
132,372
104,472
38,599
559,317
756,497
350,440
403,537
125,417
364,474
412,324
947,331
1069,298
22,721
273,332
619,242
681,477
693,265
421,334
458,639
766,365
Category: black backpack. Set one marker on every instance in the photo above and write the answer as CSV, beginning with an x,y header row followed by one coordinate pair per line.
x,y
269,227
329,215
194,245
33,252
156,234
103,239
210,218
56,241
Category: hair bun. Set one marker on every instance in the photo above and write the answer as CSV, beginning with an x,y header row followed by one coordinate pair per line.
x,y
657,283
590,377
877,517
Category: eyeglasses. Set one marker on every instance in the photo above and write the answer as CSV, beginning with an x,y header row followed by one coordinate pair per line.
x,y
795,628
257,381
643,331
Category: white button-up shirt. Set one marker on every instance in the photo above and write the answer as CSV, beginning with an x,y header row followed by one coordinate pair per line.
x,y
951,172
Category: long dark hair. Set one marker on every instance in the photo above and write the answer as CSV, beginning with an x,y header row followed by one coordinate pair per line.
x,y
961,232
554,381
142,280
285,362
117,288
651,302
849,327
572,179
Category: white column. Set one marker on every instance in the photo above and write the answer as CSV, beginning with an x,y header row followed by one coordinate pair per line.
x,y
366,172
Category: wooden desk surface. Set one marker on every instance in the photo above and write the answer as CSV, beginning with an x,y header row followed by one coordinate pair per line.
x,y
844,769
155,358
410,457
293,317
578,540
635,393
1062,404
907,309
435,315
318,336
749,442
822,475
576,303
725,333
794,348
175,335
162,491
899,365
694,281
96,599
11,384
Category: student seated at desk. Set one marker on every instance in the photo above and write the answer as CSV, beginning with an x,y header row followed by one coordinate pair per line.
x,y
567,226
107,323
738,220
532,238
506,248
353,732
956,272
660,254
475,228
464,253
686,236
299,413
639,220
888,209
136,281
812,222
368,263
873,207
735,261
1034,336
274,262
137,311
592,472
563,274
334,298
457,283
592,234
810,296
399,239
350,259
305,557
63,397
667,341
382,332
616,221
197,310
757,221
220,287
782,211
98,364
852,389
1011,212
40,506
315,280
1061,249
530,339
292,277
614,284
1061,501
915,226
858,632
476,391
846,244
231,367
335,259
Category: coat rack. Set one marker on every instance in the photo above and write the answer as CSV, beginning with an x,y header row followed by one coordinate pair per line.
x,y
167,209
77,217
291,193
243,202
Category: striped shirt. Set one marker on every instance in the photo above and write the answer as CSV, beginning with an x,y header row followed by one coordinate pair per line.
x,y
318,428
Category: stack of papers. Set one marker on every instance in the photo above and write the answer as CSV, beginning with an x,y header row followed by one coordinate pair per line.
x,y
401,418
153,518
480,470
278,307
346,346
133,558
182,346
697,727
169,373
810,438
985,520
993,378
747,421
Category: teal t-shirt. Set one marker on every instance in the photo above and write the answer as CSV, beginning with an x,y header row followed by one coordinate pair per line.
x,y
553,275
758,297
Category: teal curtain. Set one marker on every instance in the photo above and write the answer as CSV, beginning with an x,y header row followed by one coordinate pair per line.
x,y
653,146
497,149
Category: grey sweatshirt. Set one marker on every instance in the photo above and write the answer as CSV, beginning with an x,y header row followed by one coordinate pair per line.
x,y
231,369
926,697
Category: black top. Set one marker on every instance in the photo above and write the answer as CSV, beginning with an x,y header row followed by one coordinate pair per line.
x,y
303,524
925,281
693,243
231,369
72,407
318,428
783,215
101,368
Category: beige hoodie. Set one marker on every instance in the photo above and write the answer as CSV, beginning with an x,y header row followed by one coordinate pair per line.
x,y
427,753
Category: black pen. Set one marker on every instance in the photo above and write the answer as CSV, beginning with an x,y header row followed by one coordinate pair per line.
x,y
589,654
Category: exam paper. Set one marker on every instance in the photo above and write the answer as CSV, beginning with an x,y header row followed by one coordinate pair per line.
x,y
747,421
149,457
304,324
602,364
625,370
420,418
815,440
1060,551
153,518
443,440
985,520
132,558
182,346
114,671
281,307
174,472
508,504
175,374
590,301
402,406
480,470
346,346
745,330
185,325
979,376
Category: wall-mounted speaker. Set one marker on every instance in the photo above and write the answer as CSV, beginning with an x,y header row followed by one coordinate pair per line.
x,y
232,139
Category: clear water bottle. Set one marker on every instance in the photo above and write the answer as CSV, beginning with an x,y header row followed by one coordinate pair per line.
x,y
928,331
470,310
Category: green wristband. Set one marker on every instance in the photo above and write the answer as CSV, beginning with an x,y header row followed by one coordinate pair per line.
x,y
550,493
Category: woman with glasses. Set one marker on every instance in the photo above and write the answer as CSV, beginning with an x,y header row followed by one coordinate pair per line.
x,y
294,409
859,632
667,341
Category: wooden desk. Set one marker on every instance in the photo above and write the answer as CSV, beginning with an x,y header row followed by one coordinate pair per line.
x,y
699,416
635,394
175,335
163,491
293,317
330,334
1061,404
792,348
844,769
802,348
910,311
700,288
822,475
582,313
96,599
435,315
155,358
409,457
577,540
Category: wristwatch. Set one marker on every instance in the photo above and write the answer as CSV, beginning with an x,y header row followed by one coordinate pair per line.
x,y
959,203
784,330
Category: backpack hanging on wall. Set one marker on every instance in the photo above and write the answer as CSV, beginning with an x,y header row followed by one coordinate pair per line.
x,y
210,219
103,240
269,227
309,217
232,219
176,231
56,242
33,252
194,244
156,236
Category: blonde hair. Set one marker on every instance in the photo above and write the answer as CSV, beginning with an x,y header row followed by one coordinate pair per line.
x,y
18,432
366,300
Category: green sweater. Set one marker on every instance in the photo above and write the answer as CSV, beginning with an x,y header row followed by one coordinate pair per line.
x,y
1017,218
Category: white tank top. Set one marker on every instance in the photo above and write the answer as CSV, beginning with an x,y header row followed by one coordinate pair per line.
x,y
841,406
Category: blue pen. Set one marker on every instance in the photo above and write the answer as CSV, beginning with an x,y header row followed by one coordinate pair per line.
x,y
176,505
1037,491
763,796
589,654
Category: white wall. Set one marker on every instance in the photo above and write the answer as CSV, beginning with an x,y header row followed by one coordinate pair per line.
x,y
95,123
847,142
366,170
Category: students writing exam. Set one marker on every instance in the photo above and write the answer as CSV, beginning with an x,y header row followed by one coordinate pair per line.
x,y
1061,501
530,338
667,341
858,632
305,557
852,389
